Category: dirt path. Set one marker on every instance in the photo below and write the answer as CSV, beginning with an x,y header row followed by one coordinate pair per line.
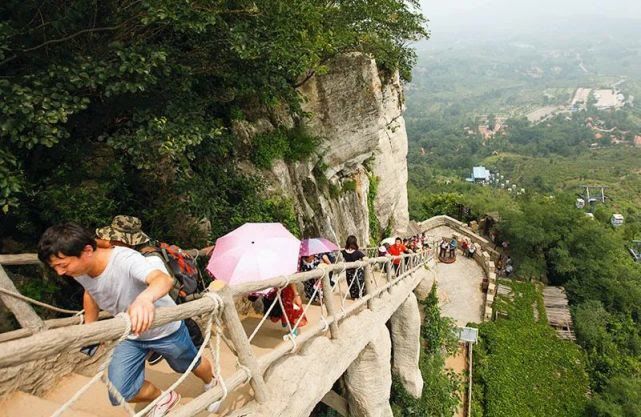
x,y
458,364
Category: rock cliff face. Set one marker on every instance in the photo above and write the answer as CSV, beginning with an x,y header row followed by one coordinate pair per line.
x,y
358,115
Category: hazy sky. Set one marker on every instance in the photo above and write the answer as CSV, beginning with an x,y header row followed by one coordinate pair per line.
x,y
506,16
612,8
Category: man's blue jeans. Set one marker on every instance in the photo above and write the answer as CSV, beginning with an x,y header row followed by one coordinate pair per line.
x,y
127,367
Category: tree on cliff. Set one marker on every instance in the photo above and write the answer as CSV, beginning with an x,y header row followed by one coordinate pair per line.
x,y
125,105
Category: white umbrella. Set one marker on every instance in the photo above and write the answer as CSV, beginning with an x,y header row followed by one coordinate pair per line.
x,y
389,240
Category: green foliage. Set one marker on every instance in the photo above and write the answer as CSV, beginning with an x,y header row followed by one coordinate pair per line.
x,y
111,107
430,205
348,186
523,369
437,332
620,398
375,233
440,390
290,145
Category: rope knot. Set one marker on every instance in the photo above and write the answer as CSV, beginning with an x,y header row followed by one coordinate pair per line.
x,y
217,299
125,317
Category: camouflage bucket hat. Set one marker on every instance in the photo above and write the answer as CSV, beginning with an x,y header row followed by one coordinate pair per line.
x,y
126,229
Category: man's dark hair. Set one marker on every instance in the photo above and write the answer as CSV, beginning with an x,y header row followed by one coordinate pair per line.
x,y
398,238
68,239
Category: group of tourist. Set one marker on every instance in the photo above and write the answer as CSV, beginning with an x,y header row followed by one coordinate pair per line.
x,y
123,270
448,247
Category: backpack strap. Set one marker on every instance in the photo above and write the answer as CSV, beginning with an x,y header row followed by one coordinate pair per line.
x,y
161,253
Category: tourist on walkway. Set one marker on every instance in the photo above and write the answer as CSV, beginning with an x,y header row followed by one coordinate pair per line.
x,y
397,249
471,250
508,270
309,263
127,231
120,280
464,246
453,246
293,305
355,276
443,248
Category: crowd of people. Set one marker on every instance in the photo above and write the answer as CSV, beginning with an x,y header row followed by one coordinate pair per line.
x,y
449,246
122,270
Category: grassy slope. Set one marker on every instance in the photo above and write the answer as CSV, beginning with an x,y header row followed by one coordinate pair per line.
x,y
523,369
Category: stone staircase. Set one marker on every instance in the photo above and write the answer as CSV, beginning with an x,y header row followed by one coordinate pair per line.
x,y
95,402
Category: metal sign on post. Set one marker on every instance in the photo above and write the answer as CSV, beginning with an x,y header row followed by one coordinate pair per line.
x,y
470,336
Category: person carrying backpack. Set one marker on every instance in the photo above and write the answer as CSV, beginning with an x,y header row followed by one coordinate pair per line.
x,y
175,262
120,280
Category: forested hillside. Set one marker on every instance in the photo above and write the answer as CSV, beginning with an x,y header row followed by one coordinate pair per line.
x,y
126,106
467,107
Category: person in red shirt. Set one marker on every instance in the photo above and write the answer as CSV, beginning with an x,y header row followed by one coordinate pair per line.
x,y
395,250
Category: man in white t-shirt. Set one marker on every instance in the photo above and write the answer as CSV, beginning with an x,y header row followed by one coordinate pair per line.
x,y
122,280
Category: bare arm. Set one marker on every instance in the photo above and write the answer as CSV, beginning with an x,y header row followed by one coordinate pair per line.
x,y
142,310
91,308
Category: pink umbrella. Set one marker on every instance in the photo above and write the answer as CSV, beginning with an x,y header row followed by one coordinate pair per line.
x,y
254,252
315,246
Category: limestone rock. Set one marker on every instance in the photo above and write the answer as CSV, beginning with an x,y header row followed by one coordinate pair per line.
x,y
405,326
358,116
369,380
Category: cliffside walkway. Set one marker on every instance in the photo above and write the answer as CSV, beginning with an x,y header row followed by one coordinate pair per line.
x,y
459,285
349,342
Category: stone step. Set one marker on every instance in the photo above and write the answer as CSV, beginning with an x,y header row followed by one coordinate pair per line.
x,y
95,400
20,404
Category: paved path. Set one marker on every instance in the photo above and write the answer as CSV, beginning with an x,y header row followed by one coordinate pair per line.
x,y
459,285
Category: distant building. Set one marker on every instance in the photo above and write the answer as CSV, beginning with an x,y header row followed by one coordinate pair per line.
x,y
637,140
479,174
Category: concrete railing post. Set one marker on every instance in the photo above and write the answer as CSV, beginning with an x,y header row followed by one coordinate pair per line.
x,y
328,299
241,343
390,273
370,287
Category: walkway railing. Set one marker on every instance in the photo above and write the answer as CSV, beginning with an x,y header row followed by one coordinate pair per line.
x,y
336,303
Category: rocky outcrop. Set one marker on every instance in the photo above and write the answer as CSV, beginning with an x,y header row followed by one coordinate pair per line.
x,y
368,379
365,331
358,115
405,327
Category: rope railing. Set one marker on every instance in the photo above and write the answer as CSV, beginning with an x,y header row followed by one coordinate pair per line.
x,y
40,303
329,316
333,300
214,315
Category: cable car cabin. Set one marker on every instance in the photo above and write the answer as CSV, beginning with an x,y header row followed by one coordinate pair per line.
x,y
616,220
580,203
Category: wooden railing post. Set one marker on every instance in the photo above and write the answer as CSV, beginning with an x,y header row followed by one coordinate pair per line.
x,y
241,344
328,299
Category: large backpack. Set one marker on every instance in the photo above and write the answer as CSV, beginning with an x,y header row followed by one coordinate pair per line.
x,y
182,268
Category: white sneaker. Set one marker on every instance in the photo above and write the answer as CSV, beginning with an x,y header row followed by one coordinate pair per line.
x,y
169,401
215,406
